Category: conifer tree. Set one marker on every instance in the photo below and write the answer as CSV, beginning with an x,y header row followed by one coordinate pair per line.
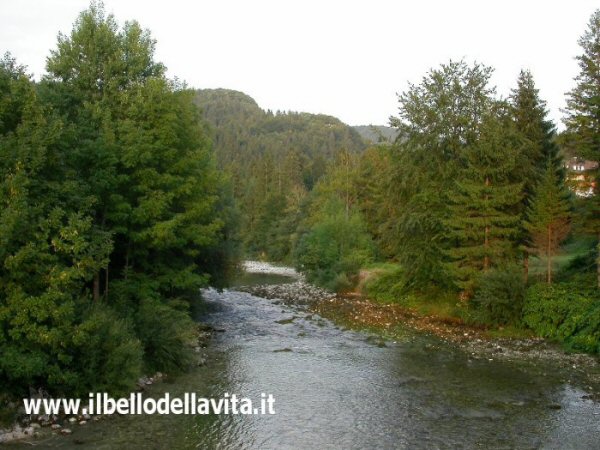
x,y
531,121
439,119
548,217
539,149
483,224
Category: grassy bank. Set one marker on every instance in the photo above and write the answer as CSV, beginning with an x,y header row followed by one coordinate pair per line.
x,y
567,312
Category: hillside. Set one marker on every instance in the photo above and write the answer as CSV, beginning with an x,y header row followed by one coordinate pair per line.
x,y
243,132
376,133
274,161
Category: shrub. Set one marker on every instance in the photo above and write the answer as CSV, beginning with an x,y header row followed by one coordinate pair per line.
x,y
333,251
587,335
165,334
566,312
499,296
553,311
106,354
387,287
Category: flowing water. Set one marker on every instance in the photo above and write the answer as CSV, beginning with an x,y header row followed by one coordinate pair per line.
x,y
337,389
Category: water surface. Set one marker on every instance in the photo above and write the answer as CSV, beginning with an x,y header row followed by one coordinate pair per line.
x,y
335,389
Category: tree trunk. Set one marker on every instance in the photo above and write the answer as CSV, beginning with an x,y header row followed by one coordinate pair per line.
x,y
486,238
106,283
526,267
549,257
127,253
97,287
598,260
486,243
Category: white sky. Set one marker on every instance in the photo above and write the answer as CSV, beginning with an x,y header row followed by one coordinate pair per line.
x,y
343,58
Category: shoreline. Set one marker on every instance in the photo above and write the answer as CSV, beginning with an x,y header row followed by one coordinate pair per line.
x,y
386,320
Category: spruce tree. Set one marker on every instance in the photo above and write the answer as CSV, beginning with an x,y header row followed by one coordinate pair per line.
x,y
548,217
583,119
483,226
539,149
531,121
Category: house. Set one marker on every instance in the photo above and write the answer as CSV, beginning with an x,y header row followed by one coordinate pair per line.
x,y
580,176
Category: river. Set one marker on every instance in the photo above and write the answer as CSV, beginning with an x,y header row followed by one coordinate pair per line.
x,y
338,389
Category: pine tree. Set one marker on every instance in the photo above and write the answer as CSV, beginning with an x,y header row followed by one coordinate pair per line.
x,y
483,225
583,118
548,217
540,147
531,121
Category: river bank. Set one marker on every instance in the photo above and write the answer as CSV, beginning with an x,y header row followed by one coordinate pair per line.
x,y
389,321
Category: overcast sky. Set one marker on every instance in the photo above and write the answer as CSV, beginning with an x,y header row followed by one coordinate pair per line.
x,y
344,58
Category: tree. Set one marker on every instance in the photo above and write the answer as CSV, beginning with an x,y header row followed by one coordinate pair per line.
x,y
483,224
583,118
531,120
275,160
49,248
438,121
548,217
91,76
539,146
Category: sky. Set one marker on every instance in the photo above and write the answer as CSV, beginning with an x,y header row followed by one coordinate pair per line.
x,y
348,59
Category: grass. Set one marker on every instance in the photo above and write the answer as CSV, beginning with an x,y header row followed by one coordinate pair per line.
x,y
575,247
384,287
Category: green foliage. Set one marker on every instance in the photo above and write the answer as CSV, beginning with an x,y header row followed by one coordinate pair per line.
x,y
499,296
275,160
113,213
334,249
583,121
548,216
583,110
566,312
483,223
388,286
587,336
531,121
165,335
107,356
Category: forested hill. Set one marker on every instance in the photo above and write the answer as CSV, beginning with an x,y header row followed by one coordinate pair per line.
x,y
243,131
274,160
377,133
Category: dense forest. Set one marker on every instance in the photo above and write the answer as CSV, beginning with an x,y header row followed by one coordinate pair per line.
x,y
124,192
274,160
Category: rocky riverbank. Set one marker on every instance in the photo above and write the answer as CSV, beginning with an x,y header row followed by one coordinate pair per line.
x,y
389,319
299,293
354,311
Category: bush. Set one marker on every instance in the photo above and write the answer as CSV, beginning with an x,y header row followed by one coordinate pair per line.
x,y
553,311
165,334
499,296
334,250
565,312
387,287
587,335
107,357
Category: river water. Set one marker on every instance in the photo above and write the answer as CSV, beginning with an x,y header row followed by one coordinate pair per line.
x,y
337,389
